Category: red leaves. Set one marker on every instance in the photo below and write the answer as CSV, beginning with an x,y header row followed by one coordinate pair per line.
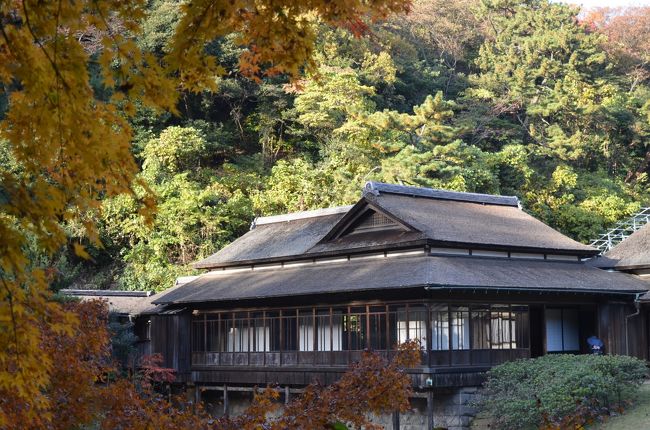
x,y
81,394
152,373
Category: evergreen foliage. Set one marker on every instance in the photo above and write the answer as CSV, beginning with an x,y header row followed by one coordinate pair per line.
x,y
518,97
560,391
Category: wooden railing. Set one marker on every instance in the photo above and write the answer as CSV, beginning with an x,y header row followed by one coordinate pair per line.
x,y
479,357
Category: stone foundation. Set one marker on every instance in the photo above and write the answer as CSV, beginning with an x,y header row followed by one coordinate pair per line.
x,y
452,408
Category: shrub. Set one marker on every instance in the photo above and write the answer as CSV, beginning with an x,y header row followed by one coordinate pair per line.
x,y
560,391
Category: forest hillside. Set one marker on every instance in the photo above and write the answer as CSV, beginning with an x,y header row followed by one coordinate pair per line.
x,y
516,97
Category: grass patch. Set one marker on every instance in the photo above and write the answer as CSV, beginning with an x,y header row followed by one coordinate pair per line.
x,y
635,418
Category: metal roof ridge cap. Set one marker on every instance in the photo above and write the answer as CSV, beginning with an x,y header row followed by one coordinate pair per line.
x,y
105,293
376,188
271,219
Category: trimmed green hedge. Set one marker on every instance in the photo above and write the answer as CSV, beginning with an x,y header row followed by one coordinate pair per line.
x,y
560,390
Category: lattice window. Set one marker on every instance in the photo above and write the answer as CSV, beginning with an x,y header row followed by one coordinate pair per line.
x,y
372,221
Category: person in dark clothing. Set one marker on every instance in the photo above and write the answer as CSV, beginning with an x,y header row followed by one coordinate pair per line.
x,y
595,345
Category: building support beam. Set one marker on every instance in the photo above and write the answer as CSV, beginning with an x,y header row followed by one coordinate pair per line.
x,y
430,409
396,420
197,398
225,401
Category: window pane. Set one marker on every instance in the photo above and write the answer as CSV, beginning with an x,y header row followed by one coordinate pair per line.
x,y
480,327
570,330
354,338
289,333
439,327
459,327
554,330
501,327
378,331
261,335
418,325
239,336
413,325
337,332
521,327
273,322
306,332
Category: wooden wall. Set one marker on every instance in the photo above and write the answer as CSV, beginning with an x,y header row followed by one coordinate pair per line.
x,y
612,329
170,336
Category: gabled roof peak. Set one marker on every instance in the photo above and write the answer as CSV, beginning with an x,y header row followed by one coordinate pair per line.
x,y
378,188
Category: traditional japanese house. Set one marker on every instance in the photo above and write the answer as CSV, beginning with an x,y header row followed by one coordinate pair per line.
x,y
632,256
473,277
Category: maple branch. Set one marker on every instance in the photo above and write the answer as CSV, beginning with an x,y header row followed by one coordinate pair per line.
x,y
55,67
13,317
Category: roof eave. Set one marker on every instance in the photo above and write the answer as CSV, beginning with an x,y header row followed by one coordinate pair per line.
x,y
425,287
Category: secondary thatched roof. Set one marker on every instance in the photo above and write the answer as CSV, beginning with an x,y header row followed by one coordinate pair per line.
x,y
437,217
631,253
127,303
390,273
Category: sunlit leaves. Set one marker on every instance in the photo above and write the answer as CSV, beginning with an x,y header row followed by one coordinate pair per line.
x,y
73,149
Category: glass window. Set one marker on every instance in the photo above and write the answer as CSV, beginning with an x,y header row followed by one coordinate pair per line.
x,y
354,338
289,331
439,327
261,333
521,326
378,340
562,330
501,327
411,324
306,331
459,327
273,322
335,335
480,320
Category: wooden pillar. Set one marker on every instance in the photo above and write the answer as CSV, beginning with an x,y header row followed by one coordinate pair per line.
x,y
286,395
430,409
396,418
197,397
225,401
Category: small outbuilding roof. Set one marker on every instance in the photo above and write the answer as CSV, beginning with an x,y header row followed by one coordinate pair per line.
x,y
632,253
390,273
437,217
127,303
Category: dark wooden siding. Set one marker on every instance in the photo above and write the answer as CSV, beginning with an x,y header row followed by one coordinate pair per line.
x,y
170,337
612,326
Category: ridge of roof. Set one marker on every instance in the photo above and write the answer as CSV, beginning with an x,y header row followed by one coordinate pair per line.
x,y
105,293
377,188
292,216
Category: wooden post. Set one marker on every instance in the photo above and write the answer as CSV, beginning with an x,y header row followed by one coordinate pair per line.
x,y
197,397
225,400
430,409
286,395
396,418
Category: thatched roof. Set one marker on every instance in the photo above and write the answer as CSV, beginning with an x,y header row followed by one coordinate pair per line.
x,y
393,273
631,253
435,217
128,303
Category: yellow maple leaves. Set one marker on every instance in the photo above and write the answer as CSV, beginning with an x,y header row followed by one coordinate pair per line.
x,y
73,148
